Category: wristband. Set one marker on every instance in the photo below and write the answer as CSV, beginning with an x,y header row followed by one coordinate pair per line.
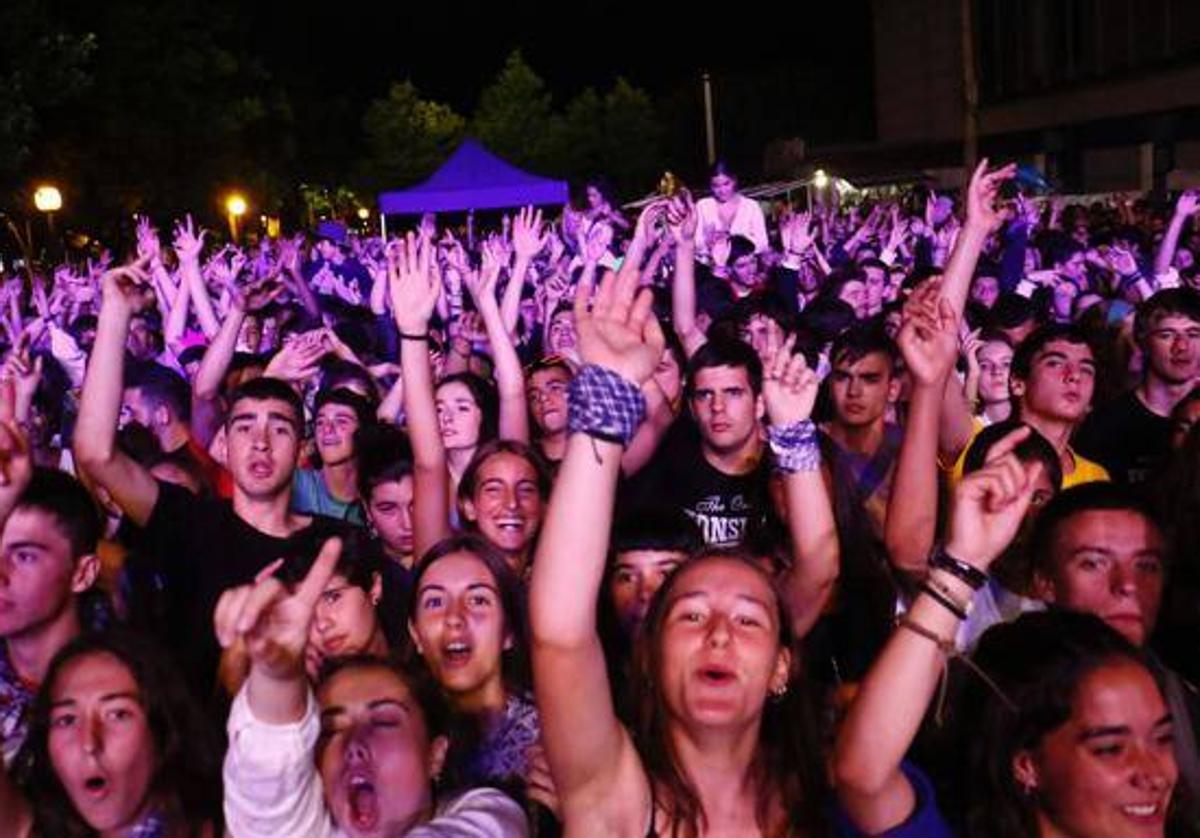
x,y
944,601
604,405
423,337
968,574
795,447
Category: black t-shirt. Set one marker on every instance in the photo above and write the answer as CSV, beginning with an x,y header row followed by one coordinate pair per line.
x,y
202,548
729,509
1126,438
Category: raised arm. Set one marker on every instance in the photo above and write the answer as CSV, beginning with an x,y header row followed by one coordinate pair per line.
x,y
529,236
271,783
928,341
590,754
188,244
1185,207
984,217
682,220
413,289
790,390
510,379
986,513
125,291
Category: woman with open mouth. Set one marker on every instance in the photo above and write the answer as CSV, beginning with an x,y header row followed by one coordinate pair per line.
x,y
468,624
117,745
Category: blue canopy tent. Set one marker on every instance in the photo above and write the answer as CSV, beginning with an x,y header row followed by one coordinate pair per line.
x,y
474,179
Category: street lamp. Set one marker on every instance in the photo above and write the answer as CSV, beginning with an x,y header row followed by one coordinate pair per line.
x,y
48,199
236,206
820,179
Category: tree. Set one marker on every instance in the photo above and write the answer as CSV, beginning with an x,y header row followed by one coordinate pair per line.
x,y
41,65
631,138
514,118
407,137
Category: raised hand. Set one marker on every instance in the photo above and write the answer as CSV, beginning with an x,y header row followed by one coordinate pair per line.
x,y
620,331
24,373
789,387
299,358
148,245
127,288
413,285
594,240
1187,204
16,461
983,210
271,621
1122,261
257,294
188,242
528,233
989,504
682,218
928,337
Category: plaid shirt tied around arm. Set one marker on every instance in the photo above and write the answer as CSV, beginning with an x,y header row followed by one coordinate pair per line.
x,y
604,405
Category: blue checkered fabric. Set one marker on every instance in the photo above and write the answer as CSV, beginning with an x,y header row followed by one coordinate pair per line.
x,y
604,405
794,447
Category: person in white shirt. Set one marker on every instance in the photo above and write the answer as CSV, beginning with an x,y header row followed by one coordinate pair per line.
x,y
725,213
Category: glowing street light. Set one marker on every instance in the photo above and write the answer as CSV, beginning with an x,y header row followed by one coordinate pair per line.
x,y
47,198
236,206
820,179
363,213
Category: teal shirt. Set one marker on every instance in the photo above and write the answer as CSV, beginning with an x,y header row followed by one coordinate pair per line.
x,y
311,497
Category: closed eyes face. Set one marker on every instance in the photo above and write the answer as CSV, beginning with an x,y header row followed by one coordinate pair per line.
x,y
375,754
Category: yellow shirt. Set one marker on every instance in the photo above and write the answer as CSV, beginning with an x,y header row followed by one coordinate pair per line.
x,y
1085,471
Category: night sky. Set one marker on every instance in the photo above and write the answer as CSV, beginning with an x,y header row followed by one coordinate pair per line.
x,y
804,71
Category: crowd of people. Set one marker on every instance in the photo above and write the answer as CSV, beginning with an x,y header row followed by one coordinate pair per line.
x,y
856,520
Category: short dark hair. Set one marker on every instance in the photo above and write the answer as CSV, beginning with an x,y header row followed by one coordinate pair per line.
x,y
363,408
161,387
1183,302
739,247
384,456
726,352
64,499
1098,496
1035,448
435,709
265,388
1037,340
1010,311
656,528
862,340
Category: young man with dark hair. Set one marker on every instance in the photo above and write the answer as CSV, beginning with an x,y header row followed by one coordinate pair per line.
x,y
720,478
859,445
47,560
648,544
202,546
1131,436
546,384
332,489
1052,380
160,400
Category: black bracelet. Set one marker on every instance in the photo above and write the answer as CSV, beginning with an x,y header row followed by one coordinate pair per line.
x,y
968,574
944,601
424,338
